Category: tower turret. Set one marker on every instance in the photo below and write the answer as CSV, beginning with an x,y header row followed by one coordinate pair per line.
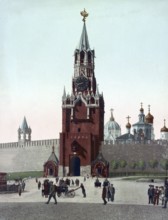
x,y
24,132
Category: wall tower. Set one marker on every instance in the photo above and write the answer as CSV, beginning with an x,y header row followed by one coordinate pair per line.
x,y
24,132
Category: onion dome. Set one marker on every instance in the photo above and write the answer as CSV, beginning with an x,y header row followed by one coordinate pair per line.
x,y
149,118
164,129
141,109
128,125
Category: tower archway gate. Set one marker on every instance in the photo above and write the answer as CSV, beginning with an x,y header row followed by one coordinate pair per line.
x,y
74,165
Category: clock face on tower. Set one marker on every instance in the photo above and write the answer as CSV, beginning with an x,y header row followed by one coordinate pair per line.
x,y
81,83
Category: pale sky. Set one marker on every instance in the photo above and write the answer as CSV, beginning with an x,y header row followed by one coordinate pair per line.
x,y
37,42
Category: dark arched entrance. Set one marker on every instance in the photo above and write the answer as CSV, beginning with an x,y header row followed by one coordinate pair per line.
x,y
75,166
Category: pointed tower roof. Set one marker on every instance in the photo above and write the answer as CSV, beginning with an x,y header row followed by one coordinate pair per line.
x,y
64,94
84,41
24,126
100,158
53,157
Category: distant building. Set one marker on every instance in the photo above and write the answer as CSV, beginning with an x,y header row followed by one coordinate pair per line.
x,y
143,131
127,137
52,165
164,132
112,130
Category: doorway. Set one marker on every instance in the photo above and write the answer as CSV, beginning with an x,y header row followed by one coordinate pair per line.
x,y
75,166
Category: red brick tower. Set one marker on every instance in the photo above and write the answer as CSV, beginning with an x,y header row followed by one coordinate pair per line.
x,y
82,114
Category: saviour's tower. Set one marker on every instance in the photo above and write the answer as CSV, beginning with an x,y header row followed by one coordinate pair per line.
x,y
82,113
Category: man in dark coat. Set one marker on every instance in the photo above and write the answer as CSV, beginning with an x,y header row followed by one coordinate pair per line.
x,y
166,197
53,189
150,194
104,193
156,196
83,190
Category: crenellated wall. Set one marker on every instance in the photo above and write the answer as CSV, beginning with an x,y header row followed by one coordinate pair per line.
x,y
29,156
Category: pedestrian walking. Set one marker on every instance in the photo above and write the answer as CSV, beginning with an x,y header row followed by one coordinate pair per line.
x,y
162,194
112,191
23,185
39,185
156,196
53,189
20,189
83,190
150,194
165,196
104,192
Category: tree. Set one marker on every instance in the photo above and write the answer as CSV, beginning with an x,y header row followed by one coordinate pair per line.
x,y
153,163
122,163
164,164
132,164
114,164
141,164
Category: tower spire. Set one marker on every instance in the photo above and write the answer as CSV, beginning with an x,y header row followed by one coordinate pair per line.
x,y
112,117
84,41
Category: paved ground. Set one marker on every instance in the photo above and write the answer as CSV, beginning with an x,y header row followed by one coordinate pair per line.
x,y
83,211
130,204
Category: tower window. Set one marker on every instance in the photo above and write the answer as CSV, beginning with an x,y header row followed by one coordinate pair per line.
x,y
89,57
82,55
75,58
79,129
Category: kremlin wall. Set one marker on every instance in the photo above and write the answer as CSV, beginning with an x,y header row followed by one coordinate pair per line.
x,y
27,155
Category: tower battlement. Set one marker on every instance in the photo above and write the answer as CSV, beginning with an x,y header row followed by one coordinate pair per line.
x,y
38,143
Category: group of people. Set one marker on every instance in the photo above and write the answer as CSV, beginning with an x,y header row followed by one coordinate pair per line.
x,y
158,193
49,189
108,192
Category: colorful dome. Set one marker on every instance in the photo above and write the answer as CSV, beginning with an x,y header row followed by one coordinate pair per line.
x,y
128,125
164,129
149,118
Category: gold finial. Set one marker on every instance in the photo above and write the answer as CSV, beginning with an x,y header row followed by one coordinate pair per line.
x,y
84,14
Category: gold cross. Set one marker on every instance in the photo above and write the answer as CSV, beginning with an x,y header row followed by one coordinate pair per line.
x,y
128,117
